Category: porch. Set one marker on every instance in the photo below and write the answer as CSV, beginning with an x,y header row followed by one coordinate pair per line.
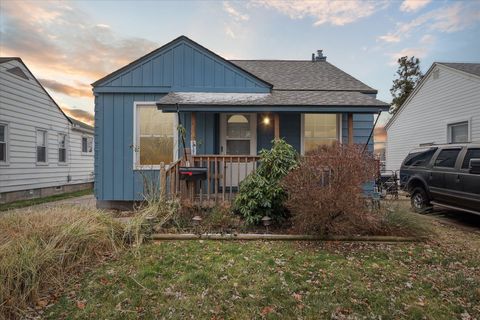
x,y
238,137
223,175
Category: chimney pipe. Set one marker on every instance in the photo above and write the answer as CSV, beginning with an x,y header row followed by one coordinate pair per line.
x,y
320,56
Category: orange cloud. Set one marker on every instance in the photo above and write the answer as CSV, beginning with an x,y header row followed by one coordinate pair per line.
x,y
79,114
58,37
81,90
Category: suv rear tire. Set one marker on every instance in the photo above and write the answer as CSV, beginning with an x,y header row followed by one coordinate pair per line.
x,y
419,200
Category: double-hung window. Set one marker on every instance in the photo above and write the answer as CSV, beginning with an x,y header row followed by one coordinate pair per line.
x,y
62,148
458,132
154,136
87,144
41,146
3,143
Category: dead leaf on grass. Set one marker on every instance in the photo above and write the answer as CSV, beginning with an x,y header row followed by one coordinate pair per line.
x,y
266,310
81,304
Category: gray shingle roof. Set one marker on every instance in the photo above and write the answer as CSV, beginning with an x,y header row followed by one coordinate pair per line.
x,y
473,68
6,59
276,98
83,125
303,75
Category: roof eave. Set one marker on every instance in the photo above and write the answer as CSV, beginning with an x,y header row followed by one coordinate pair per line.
x,y
41,86
192,107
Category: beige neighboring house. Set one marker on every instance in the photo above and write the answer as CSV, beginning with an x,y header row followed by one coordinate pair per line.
x,y
443,108
42,151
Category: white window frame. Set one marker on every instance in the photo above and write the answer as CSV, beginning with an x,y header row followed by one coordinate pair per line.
x,y
63,163
302,129
7,145
452,122
253,129
45,132
87,153
136,155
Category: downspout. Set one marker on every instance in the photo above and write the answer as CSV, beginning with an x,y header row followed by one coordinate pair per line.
x,y
371,132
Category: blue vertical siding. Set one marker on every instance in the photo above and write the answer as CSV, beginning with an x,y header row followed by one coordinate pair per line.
x,y
362,126
345,128
290,129
98,141
127,147
265,133
107,150
185,66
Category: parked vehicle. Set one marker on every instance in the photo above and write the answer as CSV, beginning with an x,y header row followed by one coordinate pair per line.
x,y
443,175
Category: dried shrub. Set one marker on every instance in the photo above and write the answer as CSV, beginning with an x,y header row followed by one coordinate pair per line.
x,y
325,192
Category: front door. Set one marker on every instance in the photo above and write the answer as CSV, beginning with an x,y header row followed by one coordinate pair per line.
x,y
238,136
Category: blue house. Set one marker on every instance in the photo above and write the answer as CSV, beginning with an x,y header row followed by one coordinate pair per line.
x,y
229,110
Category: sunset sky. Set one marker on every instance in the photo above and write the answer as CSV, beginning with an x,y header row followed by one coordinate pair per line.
x,y
70,44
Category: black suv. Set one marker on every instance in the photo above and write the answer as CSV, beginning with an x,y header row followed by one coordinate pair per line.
x,y
443,175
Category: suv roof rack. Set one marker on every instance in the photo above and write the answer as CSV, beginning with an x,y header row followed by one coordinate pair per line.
x,y
433,144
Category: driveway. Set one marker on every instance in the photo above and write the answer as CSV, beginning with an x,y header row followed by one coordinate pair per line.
x,y
462,220
87,201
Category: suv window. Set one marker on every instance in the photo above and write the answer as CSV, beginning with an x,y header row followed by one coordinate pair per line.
x,y
447,158
420,159
471,154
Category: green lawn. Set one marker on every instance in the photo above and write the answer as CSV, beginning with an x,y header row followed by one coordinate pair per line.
x,y
278,280
31,202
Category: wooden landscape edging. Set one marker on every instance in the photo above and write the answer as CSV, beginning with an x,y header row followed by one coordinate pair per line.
x,y
279,237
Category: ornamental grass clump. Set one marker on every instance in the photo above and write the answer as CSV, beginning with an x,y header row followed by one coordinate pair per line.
x,y
325,191
41,248
260,193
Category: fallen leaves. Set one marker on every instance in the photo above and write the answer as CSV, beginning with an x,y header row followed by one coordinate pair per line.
x,y
81,304
266,311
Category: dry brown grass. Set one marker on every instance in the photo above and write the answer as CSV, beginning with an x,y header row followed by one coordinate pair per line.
x,y
41,248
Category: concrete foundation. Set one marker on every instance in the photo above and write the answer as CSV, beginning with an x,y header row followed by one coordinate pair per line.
x,y
7,197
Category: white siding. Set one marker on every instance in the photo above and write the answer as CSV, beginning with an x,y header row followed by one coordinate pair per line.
x,y
25,107
452,96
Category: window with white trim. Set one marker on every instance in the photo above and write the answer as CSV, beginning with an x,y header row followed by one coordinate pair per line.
x,y
155,136
458,132
3,143
319,129
42,146
62,148
87,144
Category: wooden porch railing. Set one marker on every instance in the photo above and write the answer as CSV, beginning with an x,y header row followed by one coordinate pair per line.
x,y
170,180
224,174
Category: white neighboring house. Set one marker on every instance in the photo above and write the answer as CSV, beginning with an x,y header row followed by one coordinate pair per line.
x,y
42,151
443,108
